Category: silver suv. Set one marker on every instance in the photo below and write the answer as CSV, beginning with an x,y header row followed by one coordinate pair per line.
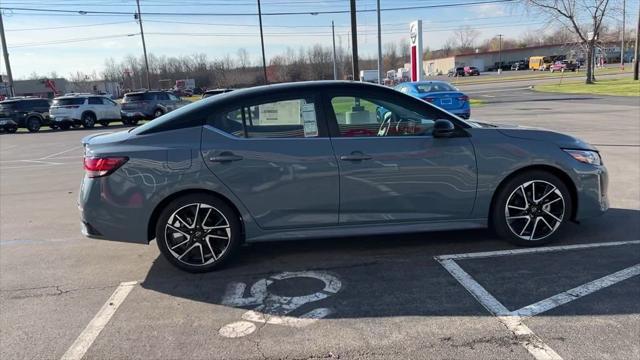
x,y
148,105
83,109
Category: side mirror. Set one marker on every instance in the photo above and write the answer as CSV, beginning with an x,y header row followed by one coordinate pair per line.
x,y
443,128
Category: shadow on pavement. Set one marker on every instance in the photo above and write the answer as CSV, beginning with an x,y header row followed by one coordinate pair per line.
x,y
386,276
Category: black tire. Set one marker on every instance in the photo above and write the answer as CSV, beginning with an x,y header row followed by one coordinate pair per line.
x,y
157,113
33,124
53,126
88,120
219,211
104,123
65,126
11,129
516,189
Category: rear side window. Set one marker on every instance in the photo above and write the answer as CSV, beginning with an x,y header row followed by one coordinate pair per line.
x,y
68,101
279,119
162,96
138,97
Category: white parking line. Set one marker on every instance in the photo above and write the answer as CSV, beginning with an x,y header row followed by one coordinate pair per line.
x,y
578,292
61,152
512,320
524,335
93,329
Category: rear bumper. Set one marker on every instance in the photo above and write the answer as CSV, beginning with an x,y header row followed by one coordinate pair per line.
x,y
111,212
7,122
64,119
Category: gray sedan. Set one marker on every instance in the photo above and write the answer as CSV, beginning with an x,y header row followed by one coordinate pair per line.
x,y
326,159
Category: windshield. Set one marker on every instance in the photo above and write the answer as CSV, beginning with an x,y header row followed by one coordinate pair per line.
x,y
434,87
68,101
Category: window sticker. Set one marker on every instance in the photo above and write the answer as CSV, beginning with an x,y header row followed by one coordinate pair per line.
x,y
309,120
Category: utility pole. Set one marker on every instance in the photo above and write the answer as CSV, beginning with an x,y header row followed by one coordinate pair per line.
x,y
144,46
354,42
380,66
6,58
335,65
624,20
636,60
500,53
264,59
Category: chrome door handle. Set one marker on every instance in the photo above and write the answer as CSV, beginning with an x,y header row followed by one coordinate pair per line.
x,y
355,157
225,157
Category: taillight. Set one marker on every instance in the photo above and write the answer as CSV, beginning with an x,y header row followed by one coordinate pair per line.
x,y
463,98
428,99
102,166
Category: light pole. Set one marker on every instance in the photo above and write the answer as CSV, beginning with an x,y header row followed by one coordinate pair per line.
x,y
379,45
264,59
354,42
624,18
144,46
499,53
335,65
636,61
10,92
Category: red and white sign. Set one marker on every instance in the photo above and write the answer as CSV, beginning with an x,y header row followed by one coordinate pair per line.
x,y
415,41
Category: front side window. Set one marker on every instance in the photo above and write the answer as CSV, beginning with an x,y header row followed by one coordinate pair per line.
x,y
95,101
162,96
173,97
280,119
370,117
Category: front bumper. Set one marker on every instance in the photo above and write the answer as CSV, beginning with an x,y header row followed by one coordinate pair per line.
x,y
592,186
7,122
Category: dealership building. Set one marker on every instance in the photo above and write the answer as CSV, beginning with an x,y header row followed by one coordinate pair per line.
x,y
486,61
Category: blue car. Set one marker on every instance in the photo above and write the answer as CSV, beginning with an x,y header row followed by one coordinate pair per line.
x,y
439,93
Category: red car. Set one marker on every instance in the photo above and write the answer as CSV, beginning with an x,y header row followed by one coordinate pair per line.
x,y
471,71
563,66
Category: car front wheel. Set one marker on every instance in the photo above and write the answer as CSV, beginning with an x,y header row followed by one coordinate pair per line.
x,y
88,120
531,208
198,232
33,124
158,113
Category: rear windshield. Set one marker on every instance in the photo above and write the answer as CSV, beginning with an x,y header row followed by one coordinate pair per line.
x,y
435,87
137,97
68,101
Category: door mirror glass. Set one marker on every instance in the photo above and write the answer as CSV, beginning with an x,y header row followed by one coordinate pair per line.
x,y
443,128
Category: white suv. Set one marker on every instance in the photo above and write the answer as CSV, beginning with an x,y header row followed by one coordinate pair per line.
x,y
83,109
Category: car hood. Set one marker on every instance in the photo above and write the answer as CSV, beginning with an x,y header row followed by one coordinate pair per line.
x,y
529,133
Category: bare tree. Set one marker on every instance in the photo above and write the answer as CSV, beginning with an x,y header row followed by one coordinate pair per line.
x,y
466,38
583,17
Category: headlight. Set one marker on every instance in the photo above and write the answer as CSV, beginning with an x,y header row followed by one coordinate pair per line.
x,y
585,156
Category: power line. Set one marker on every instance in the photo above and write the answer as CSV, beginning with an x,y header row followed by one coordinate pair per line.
x,y
282,13
70,26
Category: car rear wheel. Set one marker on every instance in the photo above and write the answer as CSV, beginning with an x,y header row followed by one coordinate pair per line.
x,y
12,129
33,124
65,126
531,208
88,120
104,123
198,233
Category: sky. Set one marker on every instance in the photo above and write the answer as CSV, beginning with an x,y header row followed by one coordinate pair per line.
x,y
46,42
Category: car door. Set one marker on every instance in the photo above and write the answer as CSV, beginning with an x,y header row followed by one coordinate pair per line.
x,y
112,108
275,155
391,167
95,104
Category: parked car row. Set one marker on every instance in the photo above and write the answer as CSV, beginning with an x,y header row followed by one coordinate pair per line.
x,y
464,71
86,110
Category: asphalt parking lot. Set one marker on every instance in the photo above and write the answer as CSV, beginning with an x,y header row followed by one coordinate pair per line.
x,y
448,295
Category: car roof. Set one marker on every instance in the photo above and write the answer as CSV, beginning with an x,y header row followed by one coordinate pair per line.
x,y
317,85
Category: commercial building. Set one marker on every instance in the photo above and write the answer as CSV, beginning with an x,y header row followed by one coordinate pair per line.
x,y
489,60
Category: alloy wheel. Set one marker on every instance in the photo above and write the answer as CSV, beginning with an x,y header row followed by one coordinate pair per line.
x,y
535,210
197,234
